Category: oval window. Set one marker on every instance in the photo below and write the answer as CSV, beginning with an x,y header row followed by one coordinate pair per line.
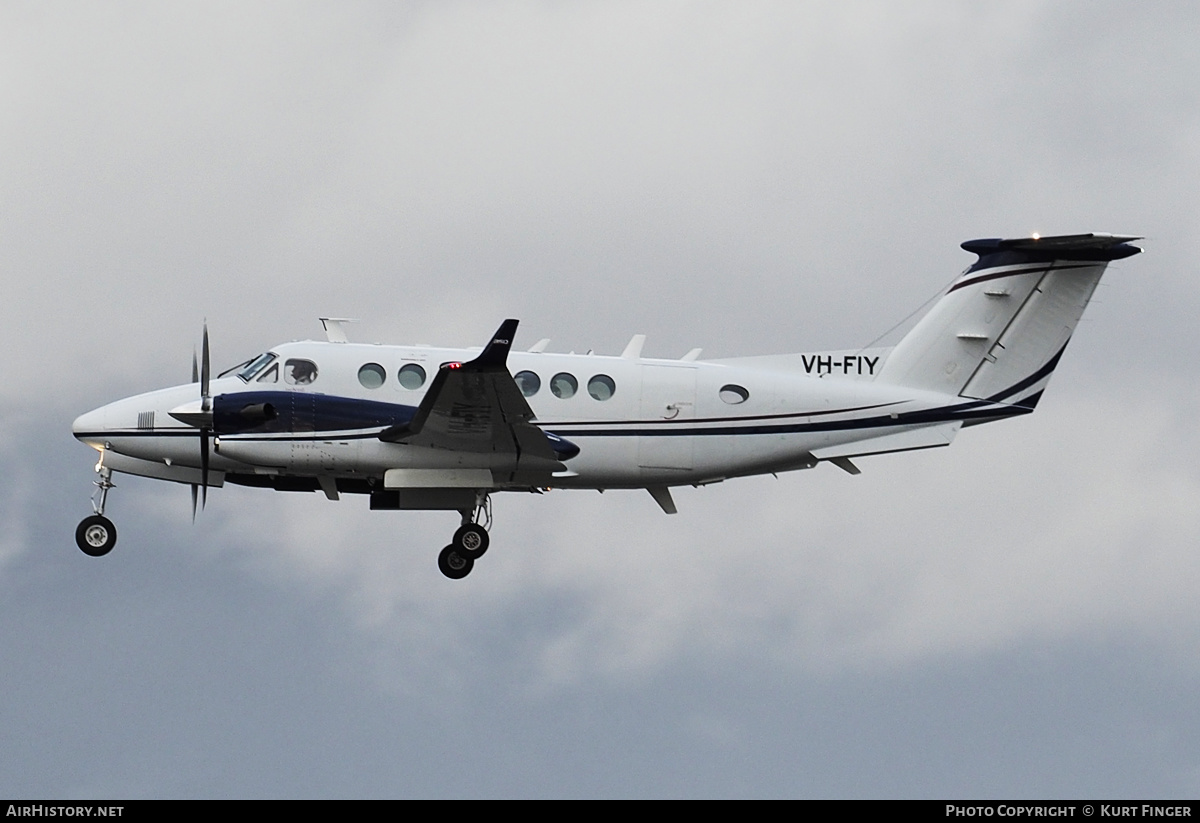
x,y
563,385
602,387
528,382
372,375
299,372
733,394
411,376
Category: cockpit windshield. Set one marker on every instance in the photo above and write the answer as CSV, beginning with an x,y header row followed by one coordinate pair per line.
x,y
233,369
256,365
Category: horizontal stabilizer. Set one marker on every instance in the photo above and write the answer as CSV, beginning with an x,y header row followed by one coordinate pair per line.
x,y
1094,247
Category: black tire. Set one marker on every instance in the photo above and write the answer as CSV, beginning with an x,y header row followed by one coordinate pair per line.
x,y
472,540
96,535
454,564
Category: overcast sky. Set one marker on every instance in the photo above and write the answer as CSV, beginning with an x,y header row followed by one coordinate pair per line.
x,y
1015,616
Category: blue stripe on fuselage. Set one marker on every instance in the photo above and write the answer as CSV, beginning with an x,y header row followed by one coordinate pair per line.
x,y
304,411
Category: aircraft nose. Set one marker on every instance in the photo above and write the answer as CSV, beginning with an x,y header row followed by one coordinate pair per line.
x,y
89,427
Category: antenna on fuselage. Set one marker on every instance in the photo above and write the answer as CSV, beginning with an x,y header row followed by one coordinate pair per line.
x,y
633,350
335,331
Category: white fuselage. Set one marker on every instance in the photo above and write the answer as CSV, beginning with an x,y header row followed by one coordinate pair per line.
x,y
638,422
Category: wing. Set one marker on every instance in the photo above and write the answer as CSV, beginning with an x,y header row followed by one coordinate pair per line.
x,y
476,408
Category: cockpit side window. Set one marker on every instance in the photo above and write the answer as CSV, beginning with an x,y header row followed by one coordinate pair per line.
x,y
270,374
299,372
237,368
254,366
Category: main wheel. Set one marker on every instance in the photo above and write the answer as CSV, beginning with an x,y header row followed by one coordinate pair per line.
x,y
472,540
96,535
454,564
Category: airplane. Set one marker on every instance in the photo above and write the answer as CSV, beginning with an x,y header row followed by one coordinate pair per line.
x,y
425,428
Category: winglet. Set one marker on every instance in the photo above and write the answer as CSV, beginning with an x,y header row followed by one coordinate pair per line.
x,y
495,353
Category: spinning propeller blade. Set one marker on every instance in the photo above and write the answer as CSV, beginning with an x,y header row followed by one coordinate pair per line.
x,y
205,405
204,398
202,420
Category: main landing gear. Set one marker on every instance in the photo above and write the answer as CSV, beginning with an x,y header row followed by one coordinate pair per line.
x,y
469,542
96,535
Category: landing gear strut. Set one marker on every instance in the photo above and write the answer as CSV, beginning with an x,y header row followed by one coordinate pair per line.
x,y
96,535
469,542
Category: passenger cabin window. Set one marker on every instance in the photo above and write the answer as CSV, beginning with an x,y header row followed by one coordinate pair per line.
x,y
299,372
563,385
528,382
411,376
371,375
602,387
734,394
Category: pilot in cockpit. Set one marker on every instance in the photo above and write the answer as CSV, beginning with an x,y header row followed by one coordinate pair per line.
x,y
302,372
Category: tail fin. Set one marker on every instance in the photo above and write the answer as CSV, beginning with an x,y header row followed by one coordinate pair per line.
x,y
999,331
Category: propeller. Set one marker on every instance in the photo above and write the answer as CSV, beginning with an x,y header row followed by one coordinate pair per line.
x,y
205,430
200,416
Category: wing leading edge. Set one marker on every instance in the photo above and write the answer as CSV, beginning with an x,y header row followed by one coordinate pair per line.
x,y
476,408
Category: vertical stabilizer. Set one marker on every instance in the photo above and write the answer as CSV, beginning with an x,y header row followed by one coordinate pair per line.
x,y
999,331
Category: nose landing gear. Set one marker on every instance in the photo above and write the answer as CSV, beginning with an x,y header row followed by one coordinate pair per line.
x,y
96,535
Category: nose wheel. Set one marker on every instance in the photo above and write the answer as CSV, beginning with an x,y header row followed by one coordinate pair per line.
x,y
96,535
